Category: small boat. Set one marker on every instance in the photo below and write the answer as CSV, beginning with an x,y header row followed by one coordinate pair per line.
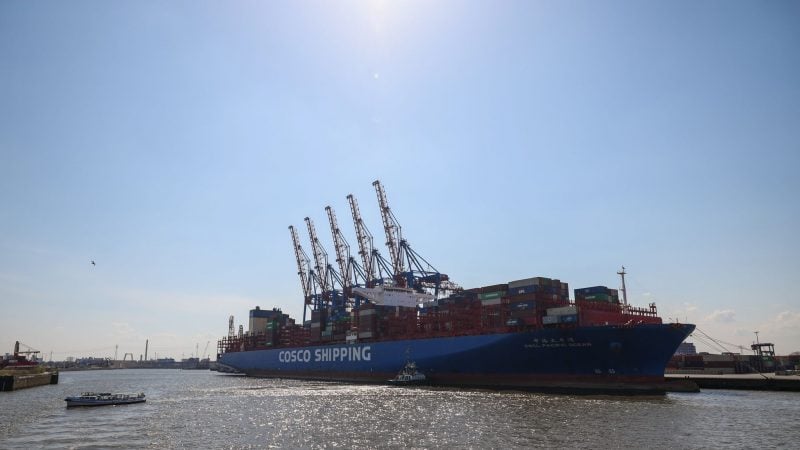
x,y
104,398
409,375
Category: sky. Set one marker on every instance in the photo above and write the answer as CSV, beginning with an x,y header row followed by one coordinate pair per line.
x,y
173,143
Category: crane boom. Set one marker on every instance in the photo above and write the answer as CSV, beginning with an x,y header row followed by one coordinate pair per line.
x,y
394,235
365,241
320,257
302,266
342,249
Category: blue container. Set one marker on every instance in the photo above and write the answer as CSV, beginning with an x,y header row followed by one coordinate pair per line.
x,y
523,306
522,290
571,318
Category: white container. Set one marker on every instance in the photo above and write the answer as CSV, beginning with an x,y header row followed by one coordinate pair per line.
x,y
548,320
562,311
520,283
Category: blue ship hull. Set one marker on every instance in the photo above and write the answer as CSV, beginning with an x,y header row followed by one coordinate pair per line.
x,y
598,358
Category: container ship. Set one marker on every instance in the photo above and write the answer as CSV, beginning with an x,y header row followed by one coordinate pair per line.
x,y
371,316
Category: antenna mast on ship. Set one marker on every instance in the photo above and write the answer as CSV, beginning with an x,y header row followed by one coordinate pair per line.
x,y
624,291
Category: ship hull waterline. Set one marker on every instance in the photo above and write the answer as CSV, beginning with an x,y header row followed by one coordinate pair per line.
x,y
612,359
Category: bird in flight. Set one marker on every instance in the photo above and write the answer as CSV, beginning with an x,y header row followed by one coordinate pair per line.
x,y
93,263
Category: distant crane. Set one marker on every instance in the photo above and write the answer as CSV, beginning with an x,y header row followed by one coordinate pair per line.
x,y
205,351
231,331
29,352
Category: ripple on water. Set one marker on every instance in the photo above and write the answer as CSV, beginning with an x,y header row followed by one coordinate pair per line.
x,y
203,409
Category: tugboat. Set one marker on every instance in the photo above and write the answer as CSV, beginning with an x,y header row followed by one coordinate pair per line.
x,y
409,376
104,398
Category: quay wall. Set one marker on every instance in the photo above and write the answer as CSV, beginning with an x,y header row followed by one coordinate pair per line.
x,y
14,382
750,382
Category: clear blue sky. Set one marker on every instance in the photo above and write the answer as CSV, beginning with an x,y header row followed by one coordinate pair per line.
x,y
174,142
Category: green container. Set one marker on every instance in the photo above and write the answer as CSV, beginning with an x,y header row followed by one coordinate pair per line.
x,y
599,297
491,295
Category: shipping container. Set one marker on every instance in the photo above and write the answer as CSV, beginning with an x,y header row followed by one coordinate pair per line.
x,y
527,315
492,302
529,305
549,320
522,290
494,288
562,310
492,295
592,290
366,312
519,283
569,318
594,297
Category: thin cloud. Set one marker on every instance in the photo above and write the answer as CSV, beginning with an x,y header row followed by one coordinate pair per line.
x,y
788,319
722,316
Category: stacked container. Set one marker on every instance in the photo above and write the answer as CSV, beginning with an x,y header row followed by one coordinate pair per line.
x,y
597,294
367,321
492,295
561,315
319,319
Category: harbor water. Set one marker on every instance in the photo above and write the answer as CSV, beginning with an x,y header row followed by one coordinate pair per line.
x,y
202,409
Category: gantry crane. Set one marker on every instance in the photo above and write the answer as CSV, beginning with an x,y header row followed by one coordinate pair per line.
x,y
306,273
421,274
406,268
393,233
320,256
326,275
349,268
364,238
376,268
